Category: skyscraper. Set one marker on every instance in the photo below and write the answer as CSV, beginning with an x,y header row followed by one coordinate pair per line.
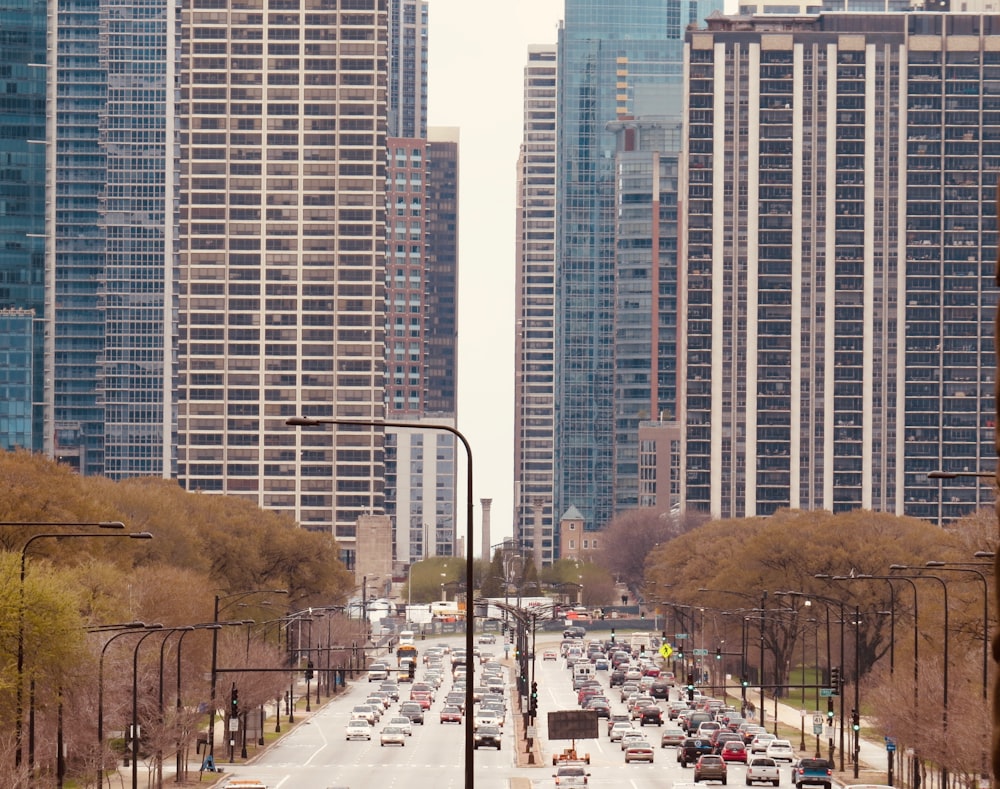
x,y
534,372
283,242
840,251
22,222
607,51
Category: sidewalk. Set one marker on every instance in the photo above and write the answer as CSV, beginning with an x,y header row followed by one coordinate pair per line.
x,y
873,760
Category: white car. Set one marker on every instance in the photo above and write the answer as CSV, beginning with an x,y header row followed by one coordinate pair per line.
x,y
392,735
780,751
359,729
619,730
402,722
485,719
760,742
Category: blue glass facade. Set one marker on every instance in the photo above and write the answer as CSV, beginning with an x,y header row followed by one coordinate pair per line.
x,y
607,51
22,219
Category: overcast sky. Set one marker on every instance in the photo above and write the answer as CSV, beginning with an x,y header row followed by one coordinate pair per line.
x,y
478,51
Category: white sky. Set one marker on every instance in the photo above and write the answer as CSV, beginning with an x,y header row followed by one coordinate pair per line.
x,y
477,54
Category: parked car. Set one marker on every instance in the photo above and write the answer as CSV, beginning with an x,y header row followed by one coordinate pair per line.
x,y
710,767
762,770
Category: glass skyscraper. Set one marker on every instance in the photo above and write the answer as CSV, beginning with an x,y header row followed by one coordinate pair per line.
x,y
607,51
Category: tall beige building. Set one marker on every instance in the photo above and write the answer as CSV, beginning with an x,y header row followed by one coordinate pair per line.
x,y
282,233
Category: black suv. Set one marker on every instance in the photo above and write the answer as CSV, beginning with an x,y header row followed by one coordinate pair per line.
x,y
486,737
617,677
692,748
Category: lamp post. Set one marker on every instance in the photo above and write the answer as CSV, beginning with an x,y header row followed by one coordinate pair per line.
x,y
128,629
944,589
968,567
233,598
470,579
840,605
181,767
21,613
135,707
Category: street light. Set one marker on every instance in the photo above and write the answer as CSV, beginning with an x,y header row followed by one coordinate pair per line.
x,y
944,589
19,721
967,567
233,598
470,578
181,769
128,629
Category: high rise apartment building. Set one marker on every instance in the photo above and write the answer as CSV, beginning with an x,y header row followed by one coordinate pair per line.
x,y
22,222
839,256
607,53
408,68
534,340
645,314
283,244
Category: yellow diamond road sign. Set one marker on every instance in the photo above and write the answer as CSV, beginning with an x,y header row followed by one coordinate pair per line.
x,y
666,650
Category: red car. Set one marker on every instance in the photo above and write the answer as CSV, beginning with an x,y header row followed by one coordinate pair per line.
x,y
734,751
423,697
451,714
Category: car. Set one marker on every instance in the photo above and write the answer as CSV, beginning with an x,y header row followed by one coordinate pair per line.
x,y
660,688
780,751
486,737
733,751
487,638
413,711
814,772
571,774
752,731
365,711
549,654
392,735
671,735
602,664
760,742
359,729
689,751
616,677
450,714
598,704
378,671
619,730
617,717
630,737
638,750
486,718
402,722
762,769
710,767
651,714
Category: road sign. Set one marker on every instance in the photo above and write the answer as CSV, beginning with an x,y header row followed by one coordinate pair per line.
x,y
890,744
699,651
680,636
666,650
826,693
818,718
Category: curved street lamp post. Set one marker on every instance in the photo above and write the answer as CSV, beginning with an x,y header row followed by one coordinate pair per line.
x,y
470,579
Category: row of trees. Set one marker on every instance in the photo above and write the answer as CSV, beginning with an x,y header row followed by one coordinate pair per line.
x,y
815,575
203,547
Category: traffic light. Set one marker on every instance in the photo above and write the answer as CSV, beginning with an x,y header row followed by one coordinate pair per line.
x,y
745,682
690,686
309,670
718,653
835,678
855,720
829,710
533,702
234,703
679,654
413,668
612,635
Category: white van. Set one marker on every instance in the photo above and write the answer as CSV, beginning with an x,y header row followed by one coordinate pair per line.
x,y
582,670
406,637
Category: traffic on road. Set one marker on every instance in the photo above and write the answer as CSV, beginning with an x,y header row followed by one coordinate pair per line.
x,y
405,728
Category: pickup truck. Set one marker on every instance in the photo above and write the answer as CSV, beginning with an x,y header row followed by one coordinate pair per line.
x,y
762,770
815,772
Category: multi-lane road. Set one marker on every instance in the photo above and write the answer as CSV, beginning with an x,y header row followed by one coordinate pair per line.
x,y
316,755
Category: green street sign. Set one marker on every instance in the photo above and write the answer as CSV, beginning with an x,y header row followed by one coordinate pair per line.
x,y
699,651
826,693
